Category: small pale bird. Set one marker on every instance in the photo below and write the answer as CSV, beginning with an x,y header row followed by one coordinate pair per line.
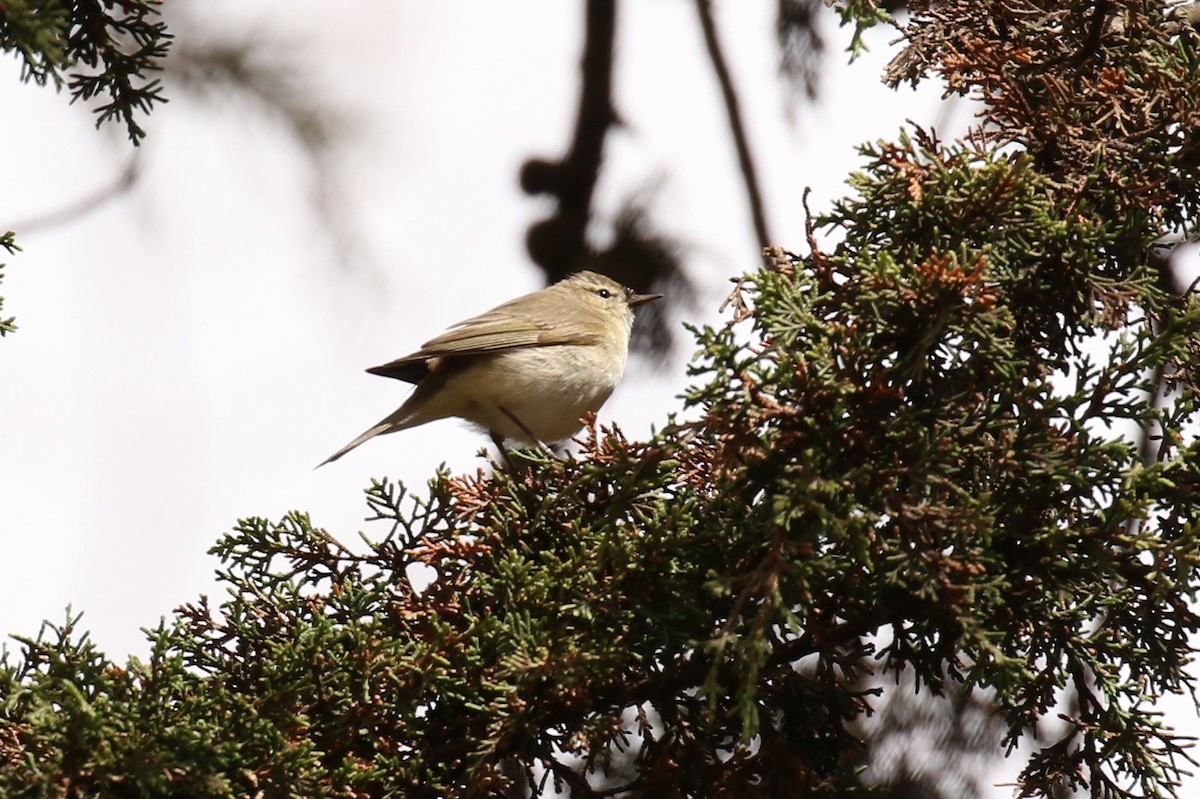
x,y
526,370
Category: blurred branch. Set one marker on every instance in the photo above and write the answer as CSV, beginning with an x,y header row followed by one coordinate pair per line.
x,y
962,725
800,44
637,255
259,71
121,183
220,69
736,127
265,74
640,256
558,243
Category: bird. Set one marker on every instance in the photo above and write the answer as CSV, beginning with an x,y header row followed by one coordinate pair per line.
x,y
527,370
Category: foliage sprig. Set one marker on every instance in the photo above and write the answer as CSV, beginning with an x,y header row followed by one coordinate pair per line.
x,y
94,49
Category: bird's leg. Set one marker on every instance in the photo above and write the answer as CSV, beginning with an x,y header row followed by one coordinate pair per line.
x,y
530,436
498,440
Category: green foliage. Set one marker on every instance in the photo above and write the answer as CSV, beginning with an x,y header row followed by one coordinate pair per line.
x,y
908,460
883,468
7,325
94,48
863,15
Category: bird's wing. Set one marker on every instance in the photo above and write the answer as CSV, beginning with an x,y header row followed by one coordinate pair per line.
x,y
489,332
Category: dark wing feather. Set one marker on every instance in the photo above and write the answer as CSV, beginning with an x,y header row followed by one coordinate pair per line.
x,y
406,369
493,331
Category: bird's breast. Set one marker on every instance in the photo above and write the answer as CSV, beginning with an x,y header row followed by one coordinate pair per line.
x,y
550,388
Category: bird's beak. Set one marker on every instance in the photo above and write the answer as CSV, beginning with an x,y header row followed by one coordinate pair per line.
x,y
638,299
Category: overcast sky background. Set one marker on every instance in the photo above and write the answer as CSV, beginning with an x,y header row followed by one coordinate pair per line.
x,y
188,352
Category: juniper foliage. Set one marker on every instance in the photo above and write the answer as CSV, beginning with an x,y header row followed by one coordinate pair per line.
x,y
94,49
10,246
909,452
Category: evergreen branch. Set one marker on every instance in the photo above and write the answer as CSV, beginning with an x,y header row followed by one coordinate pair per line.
x,y
94,49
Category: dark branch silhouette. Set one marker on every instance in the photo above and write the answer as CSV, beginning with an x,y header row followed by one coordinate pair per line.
x,y
736,127
801,47
122,182
638,256
559,243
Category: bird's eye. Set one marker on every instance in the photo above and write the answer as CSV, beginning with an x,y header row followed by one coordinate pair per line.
x,y
603,294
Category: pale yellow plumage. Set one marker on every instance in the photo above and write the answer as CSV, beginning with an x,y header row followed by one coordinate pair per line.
x,y
526,370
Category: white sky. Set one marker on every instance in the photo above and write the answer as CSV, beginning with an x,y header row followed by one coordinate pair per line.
x,y
188,353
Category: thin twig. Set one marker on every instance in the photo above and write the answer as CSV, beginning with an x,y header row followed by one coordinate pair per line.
x,y
77,209
736,126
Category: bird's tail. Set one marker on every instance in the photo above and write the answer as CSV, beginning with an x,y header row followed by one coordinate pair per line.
x,y
369,434
415,411
389,425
